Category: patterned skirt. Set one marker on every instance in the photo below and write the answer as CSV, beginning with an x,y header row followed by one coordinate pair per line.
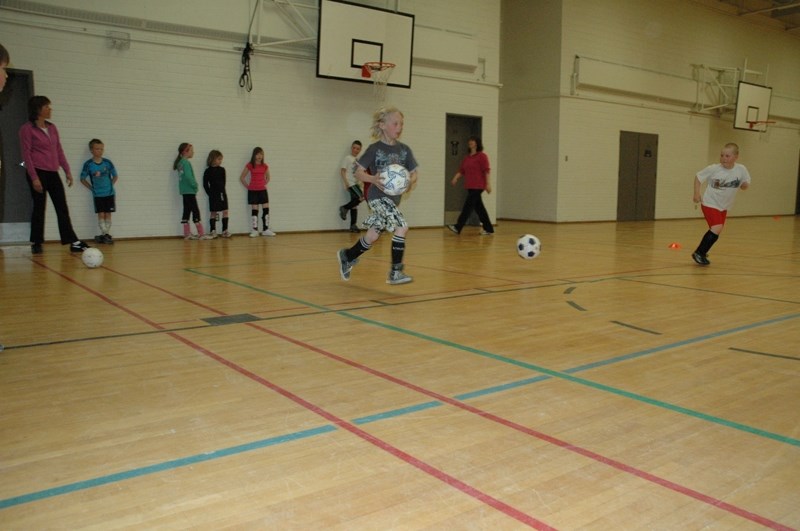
x,y
384,216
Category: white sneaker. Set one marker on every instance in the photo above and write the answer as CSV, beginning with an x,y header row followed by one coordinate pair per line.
x,y
190,237
213,234
207,237
254,234
226,234
267,232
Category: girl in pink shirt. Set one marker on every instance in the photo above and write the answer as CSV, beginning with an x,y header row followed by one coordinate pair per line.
x,y
257,191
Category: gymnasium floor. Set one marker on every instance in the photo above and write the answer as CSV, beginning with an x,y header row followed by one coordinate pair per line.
x,y
610,383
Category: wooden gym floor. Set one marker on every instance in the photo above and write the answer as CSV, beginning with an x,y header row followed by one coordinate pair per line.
x,y
609,384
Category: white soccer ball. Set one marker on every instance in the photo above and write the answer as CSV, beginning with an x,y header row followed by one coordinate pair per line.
x,y
395,179
529,246
92,257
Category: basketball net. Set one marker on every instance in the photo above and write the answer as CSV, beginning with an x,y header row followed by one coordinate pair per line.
x,y
380,73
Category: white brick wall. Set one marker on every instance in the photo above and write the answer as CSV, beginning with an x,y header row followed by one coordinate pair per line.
x,y
144,101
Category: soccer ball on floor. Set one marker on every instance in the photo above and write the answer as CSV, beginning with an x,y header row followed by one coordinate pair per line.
x,y
92,257
395,179
529,246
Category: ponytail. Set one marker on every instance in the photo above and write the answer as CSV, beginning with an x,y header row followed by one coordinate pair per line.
x,y
181,149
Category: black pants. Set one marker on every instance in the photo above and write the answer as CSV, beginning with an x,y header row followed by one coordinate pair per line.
x,y
474,202
352,206
190,208
51,184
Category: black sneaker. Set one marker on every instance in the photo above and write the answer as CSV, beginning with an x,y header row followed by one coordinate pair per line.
x,y
343,213
36,248
99,238
700,259
78,247
354,228
108,239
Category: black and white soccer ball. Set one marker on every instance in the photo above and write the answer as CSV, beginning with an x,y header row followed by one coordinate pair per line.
x,y
529,246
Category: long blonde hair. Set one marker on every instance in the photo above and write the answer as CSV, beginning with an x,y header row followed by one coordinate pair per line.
x,y
379,117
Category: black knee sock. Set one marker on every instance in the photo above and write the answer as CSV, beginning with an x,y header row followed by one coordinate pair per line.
x,y
398,248
224,224
353,216
709,239
265,218
358,249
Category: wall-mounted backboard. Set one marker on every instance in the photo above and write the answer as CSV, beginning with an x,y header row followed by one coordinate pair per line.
x,y
752,107
350,35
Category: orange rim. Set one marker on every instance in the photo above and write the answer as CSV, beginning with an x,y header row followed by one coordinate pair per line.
x,y
374,66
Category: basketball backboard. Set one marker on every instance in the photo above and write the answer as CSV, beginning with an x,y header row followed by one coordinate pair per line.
x,y
752,107
350,35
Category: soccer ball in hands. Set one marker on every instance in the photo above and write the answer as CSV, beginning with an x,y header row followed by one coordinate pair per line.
x,y
92,257
395,179
529,246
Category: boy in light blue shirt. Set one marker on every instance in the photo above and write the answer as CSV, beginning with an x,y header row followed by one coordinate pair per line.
x,y
99,175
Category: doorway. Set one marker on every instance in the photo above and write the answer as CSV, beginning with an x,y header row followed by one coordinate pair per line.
x,y
458,130
638,163
797,199
15,206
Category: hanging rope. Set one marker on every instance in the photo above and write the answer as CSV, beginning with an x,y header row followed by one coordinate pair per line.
x,y
246,81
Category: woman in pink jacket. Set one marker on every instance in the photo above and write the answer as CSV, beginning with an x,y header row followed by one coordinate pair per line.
x,y
43,156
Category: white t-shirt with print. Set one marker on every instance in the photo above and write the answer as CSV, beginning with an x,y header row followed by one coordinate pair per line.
x,y
723,184
349,165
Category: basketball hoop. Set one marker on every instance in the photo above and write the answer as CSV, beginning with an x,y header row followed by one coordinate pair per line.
x,y
754,123
380,73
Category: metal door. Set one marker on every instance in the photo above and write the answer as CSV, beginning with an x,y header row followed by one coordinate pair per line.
x,y
16,204
638,163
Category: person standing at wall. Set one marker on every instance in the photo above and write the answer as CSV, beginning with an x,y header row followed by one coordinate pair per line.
x,y
43,157
99,175
476,170
187,187
5,58
214,185
351,186
257,193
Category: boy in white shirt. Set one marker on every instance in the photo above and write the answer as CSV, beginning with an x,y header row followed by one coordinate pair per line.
x,y
722,182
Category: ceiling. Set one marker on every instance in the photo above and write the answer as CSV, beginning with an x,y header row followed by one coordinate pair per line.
x,y
780,13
